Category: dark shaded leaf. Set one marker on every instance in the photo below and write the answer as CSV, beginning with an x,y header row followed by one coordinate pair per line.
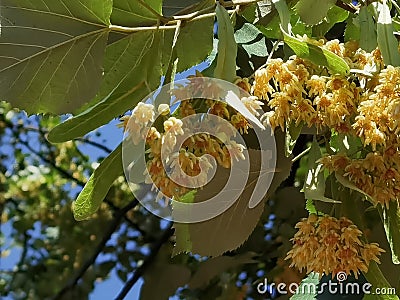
x,y
199,33
368,39
232,228
162,280
212,267
335,15
391,222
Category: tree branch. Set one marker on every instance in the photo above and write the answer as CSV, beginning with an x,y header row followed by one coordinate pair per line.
x,y
349,7
111,229
146,263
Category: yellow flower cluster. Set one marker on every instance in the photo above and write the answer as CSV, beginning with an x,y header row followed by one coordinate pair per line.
x,y
327,245
377,174
190,157
364,105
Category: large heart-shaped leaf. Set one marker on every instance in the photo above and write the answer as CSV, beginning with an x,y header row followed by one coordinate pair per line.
x,y
133,68
212,267
232,228
199,32
136,13
52,52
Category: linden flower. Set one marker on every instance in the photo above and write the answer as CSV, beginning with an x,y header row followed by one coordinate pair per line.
x,y
327,245
252,104
186,109
143,113
262,87
219,108
124,122
173,126
316,85
163,109
240,123
235,150
152,135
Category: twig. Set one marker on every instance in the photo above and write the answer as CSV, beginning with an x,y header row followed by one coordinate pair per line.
x,y
127,220
346,6
20,262
95,144
111,229
146,263
301,155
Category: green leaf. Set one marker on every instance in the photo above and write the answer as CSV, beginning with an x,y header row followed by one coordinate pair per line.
x,y
136,13
310,207
96,189
52,53
284,14
352,31
308,288
314,185
312,12
391,222
173,7
162,280
199,33
247,33
376,278
387,42
232,228
317,55
183,242
347,183
335,15
292,133
258,48
368,38
143,53
249,38
227,48
297,27
345,144
214,266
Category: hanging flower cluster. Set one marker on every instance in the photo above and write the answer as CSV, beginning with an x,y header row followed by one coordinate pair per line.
x,y
167,131
365,106
327,245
